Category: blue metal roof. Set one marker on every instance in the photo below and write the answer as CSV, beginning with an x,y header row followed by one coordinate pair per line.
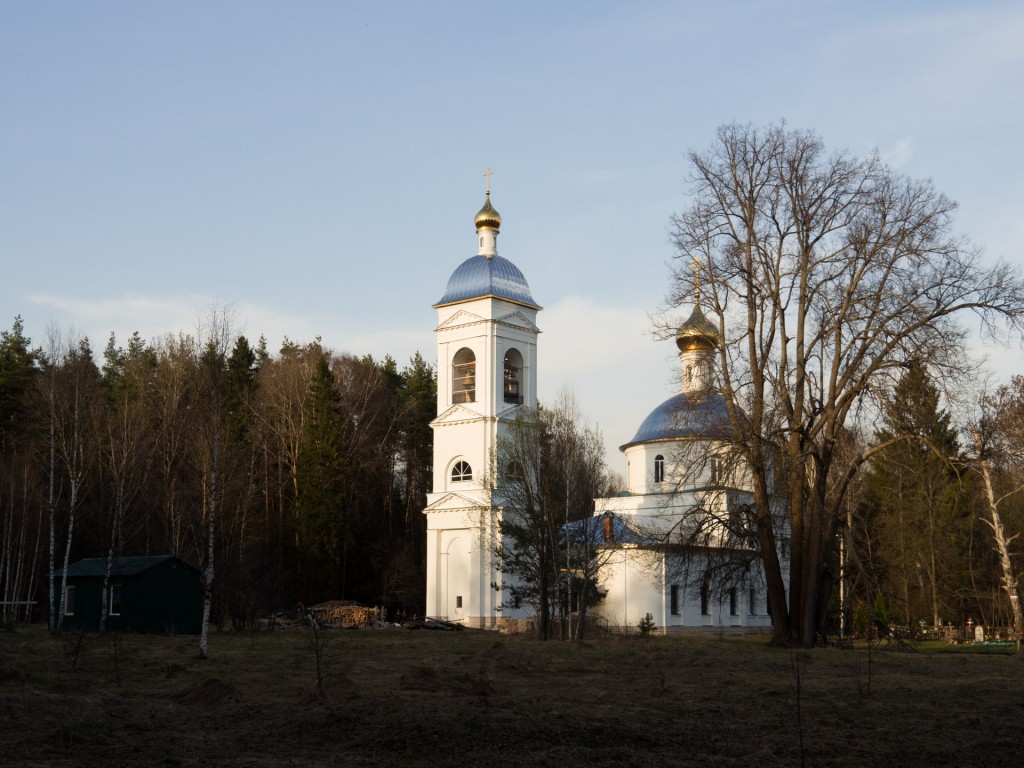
x,y
686,416
643,530
481,276
625,529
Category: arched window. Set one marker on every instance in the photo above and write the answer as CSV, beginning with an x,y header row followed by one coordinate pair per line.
x,y
513,366
461,472
464,376
659,468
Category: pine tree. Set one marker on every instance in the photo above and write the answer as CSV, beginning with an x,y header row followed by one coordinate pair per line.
x,y
20,527
418,408
319,506
918,504
239,385
18,367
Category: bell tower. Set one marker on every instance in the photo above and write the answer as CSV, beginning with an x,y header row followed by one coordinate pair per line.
x,y
486,371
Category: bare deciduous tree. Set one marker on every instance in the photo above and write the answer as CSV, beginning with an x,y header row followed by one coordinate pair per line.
x,y
171,401
828,273
549,468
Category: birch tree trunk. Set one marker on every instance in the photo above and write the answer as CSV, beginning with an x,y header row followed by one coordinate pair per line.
x,y
73,459
213,365
211,529
995,522
56,608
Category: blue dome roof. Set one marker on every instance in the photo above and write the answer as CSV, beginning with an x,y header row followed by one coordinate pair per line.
x,y
481,276
686,416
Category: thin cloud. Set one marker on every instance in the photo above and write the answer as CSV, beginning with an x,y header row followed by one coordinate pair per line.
x,y
899,155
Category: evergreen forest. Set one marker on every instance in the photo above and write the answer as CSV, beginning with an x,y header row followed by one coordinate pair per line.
x,y
302,475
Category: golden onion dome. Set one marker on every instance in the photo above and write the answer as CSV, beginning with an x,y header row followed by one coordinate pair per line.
x,y
697,332
488,218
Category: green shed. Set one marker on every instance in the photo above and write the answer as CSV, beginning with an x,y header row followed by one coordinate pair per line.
x,y
154,594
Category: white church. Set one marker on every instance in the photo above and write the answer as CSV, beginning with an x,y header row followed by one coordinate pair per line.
x,y
679,542
673,544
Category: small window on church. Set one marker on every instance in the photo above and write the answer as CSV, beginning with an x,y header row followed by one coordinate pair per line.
x,y
461,472
705,598
675,599
464,376
734,602
458,601
512,388
753,602
659,468
715,464
514,472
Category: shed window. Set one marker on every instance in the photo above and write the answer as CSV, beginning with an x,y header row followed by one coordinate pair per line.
x,y
69,601
115,599
461,472
659,468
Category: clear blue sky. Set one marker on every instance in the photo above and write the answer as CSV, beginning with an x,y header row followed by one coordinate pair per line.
x,y
318,164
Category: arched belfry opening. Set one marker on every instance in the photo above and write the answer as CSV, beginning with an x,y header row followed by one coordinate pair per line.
x,y
512,386
464,376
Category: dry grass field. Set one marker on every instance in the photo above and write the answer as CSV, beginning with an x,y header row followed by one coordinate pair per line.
x,y
422,698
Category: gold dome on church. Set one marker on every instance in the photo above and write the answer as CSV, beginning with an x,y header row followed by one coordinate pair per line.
x,y
698,331
488,218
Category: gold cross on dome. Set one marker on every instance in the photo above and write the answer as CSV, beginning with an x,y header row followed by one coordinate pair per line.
x,y
696,278
487,176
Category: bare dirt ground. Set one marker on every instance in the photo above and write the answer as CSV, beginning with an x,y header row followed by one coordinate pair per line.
x,y
421,698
